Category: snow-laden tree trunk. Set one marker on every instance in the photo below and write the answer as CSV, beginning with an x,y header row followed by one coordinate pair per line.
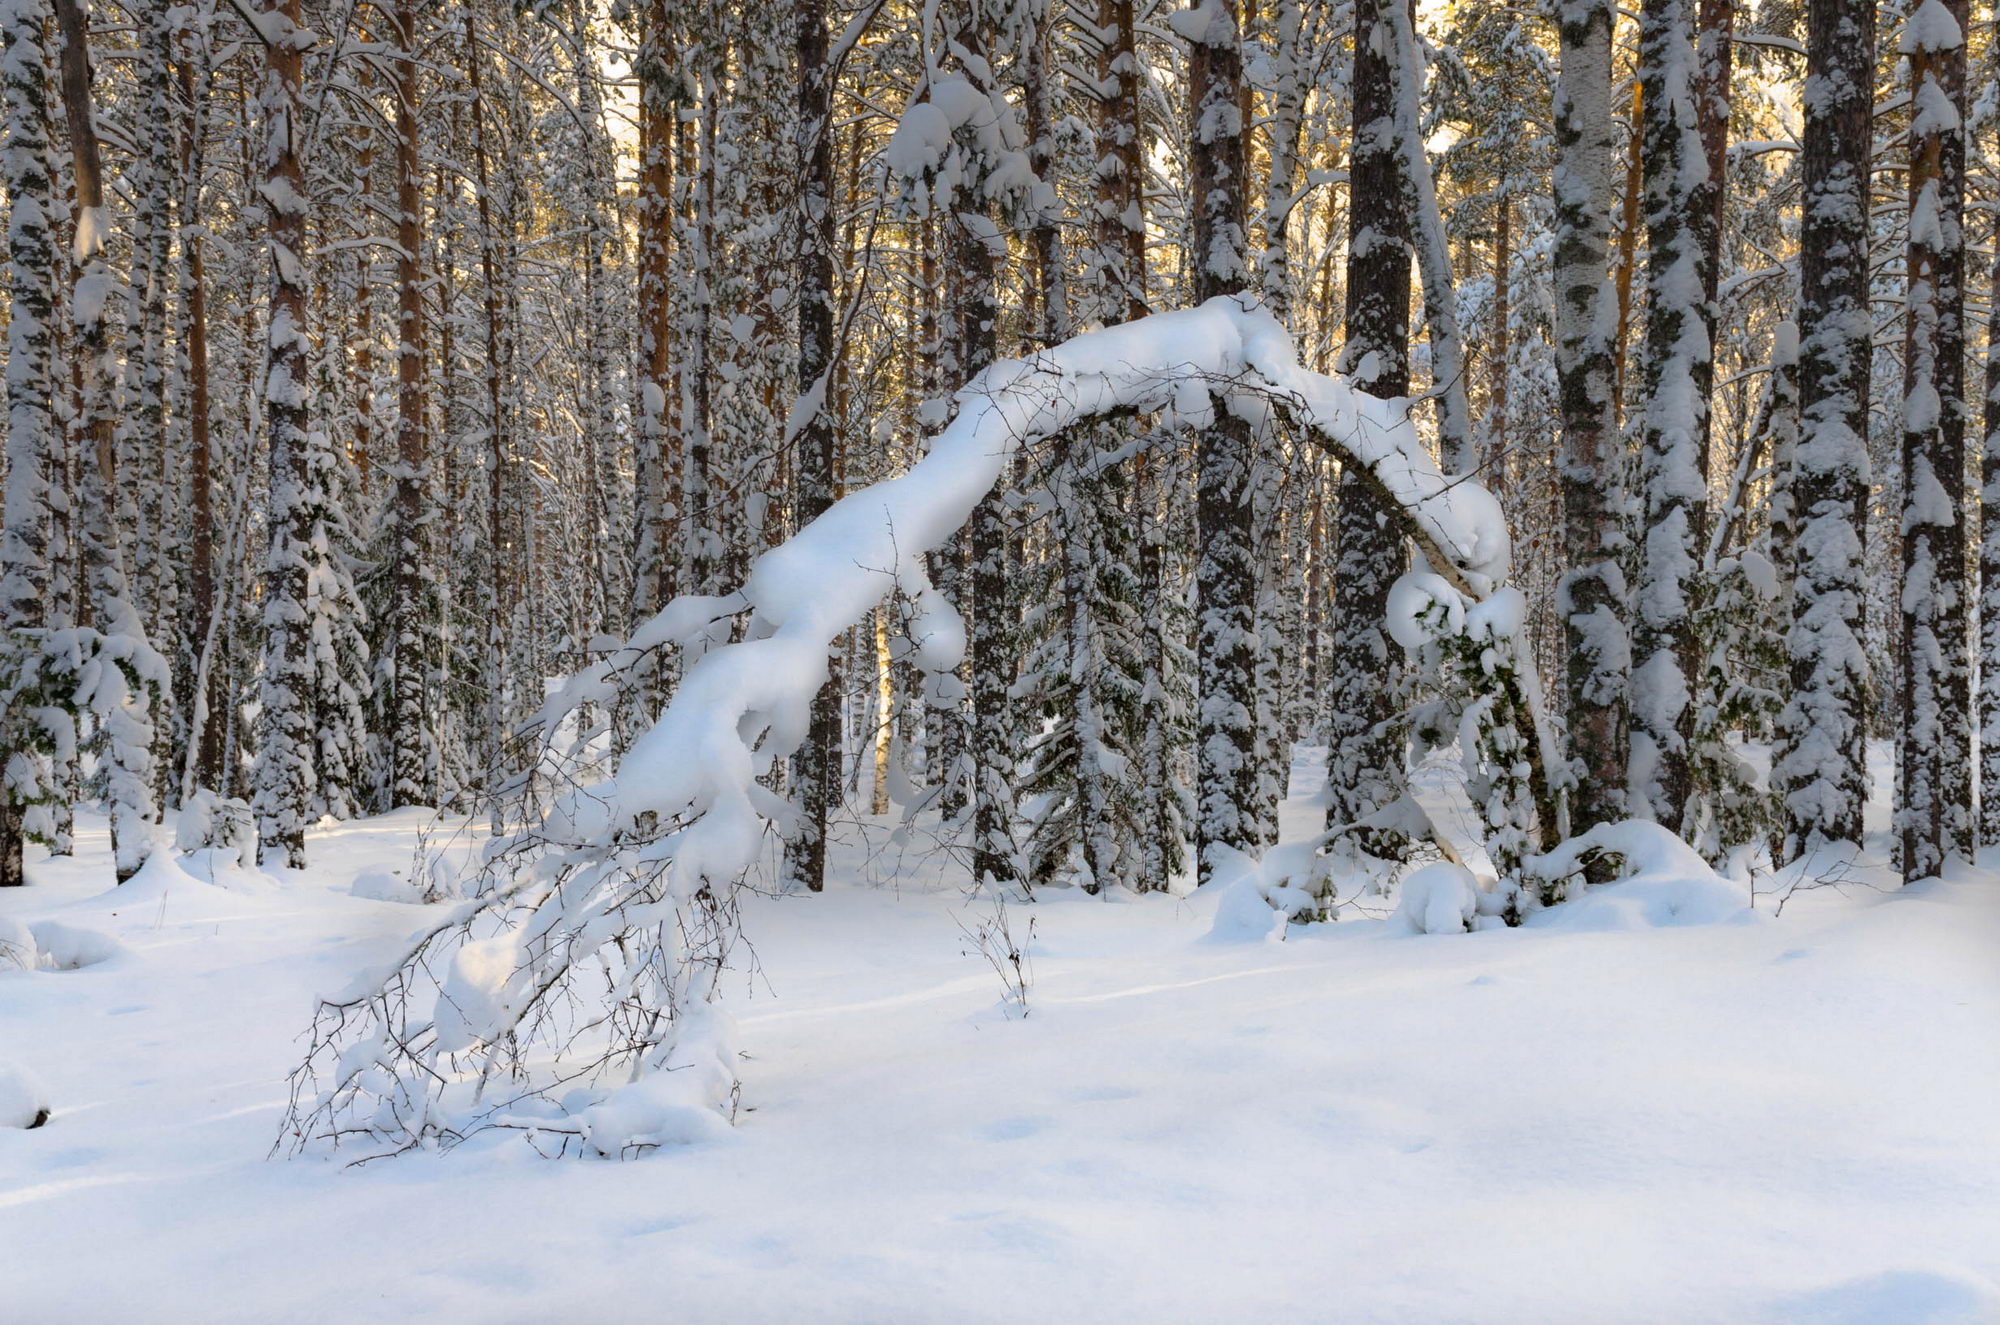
x,y
700,544
286,763
1277,605
1364,756
207,688
1225,573
155,461
987,756
1989,574
1933,752
124,734
1117,262
1679,371
1823,773
411,627
497,584
1591,593
1715,40
1427,238
656,462
1085,675
610,588
32,438
816,767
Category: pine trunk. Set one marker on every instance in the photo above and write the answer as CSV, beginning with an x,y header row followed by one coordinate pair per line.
x,y
1823,774
32,437
1933,755
411,625
286,766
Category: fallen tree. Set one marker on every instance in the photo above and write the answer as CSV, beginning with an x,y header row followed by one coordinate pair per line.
x,y
575,995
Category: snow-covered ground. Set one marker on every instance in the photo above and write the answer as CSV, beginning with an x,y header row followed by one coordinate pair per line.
x,y
1785,1119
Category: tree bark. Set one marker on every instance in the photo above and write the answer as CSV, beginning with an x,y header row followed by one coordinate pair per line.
x,y
1364,771
816,766
1591,594
1225,569
1822,772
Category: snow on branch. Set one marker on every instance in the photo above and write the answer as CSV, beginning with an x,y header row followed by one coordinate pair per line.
x,y
573,996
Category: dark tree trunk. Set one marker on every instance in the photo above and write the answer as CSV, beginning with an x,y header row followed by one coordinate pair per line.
x,y
1225,570
1823,771
1363,757
816,766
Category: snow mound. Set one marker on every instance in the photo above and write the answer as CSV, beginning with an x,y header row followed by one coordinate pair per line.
x,y
224,868
384,886
1438,899
69,948
23,1101
1665,882
47,945
165,883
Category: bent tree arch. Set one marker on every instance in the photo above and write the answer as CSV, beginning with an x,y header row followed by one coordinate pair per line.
x,y
575,995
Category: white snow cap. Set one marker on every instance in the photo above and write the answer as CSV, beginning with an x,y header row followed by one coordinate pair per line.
x,y
1931,28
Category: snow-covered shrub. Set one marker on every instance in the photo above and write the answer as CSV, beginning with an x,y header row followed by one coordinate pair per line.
x,y
384,886
17,946
24,1102
1442,898
208,819
1492,703
1743,612
1662,881
63,682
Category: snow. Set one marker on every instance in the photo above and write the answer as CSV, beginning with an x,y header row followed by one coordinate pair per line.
x,y
1438,899
1931,29
87,244
24,1101
1782,1121
1663,881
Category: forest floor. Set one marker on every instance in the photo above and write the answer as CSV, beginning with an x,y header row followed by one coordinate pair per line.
x,y
1784,1118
